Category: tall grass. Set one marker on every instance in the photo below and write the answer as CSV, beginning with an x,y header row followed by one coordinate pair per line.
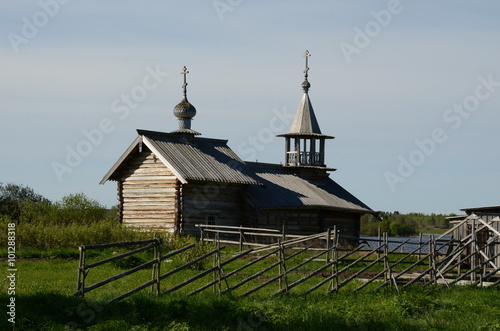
x,y
50,236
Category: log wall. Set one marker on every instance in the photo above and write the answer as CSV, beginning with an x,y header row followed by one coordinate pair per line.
x,y
149,193
307,221
211,203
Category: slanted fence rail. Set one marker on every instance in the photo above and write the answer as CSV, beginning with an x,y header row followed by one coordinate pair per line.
x,y
304,264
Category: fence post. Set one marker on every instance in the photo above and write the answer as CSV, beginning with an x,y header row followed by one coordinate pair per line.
x,y
419,245
157,266
282,269
432,259
388,276
328,239
327,257
216,273
81,270
219,269
473,248
283,230
379,242
241,239
335,266
201,237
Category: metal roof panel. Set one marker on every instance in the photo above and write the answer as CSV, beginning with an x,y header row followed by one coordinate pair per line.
x,y
283,188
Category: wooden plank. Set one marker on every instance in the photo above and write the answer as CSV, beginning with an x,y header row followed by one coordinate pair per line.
x,y
248,265
224,277
190,263
130,195
116,257
147,200
163,178
151,282
151,212
127,191
119,244
116,277
149,216
151,207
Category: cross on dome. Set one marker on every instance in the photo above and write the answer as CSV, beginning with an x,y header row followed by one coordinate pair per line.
x,y
184,86
305,84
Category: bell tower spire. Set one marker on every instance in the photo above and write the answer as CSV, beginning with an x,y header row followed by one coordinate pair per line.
x,y
305,144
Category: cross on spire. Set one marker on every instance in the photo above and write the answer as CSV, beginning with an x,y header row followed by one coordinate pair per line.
x,y
184,86
305,83
306,55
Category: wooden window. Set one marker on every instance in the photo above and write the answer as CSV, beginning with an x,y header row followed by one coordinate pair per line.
x,y
210,219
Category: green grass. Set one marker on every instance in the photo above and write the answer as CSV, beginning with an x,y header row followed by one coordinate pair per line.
x,y
432,230
45,301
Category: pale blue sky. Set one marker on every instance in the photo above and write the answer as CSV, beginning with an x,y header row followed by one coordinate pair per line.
x,y
67,64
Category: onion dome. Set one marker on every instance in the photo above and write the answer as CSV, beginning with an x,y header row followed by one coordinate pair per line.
x,y
185,111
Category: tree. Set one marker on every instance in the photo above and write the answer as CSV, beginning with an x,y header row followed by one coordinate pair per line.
x,y
80,208
14,196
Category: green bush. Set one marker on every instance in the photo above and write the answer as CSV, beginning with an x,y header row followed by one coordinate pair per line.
x,y
14,196
54,236
73,208
79,208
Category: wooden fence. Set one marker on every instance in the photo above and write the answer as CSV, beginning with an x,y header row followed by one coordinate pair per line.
x,y
305,264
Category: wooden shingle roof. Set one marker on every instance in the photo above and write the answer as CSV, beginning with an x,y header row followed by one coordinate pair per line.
x,y
197,159
284,189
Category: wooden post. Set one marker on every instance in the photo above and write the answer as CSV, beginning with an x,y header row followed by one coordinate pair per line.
x,y
241,239
201,236
282,269
81,271
327,254
419,244
379,242
473,246
157,253
283,230
432,260
219,269
335,263
279,265
328,238
214,273
388,275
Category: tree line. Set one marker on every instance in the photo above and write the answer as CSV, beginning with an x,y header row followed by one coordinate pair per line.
x,y
21,204
397,224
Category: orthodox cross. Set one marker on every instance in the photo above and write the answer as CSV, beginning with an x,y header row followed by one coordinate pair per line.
x,y
184,86
306,55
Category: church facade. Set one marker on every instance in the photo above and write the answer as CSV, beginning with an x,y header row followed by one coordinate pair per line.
x,y
176,180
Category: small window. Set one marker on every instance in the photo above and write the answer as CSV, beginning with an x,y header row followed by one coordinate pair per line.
x,y
211,219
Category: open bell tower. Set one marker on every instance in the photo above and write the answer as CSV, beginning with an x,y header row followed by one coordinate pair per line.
x,y
305,144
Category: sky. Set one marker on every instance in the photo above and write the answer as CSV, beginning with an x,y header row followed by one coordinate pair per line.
x,y
409,89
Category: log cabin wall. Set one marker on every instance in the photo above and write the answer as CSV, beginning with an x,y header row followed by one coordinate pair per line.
x,y
149,193
307,221
211,203
348,223
296,221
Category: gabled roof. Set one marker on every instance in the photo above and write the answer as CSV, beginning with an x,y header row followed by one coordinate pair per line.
x,y
284,189
197,159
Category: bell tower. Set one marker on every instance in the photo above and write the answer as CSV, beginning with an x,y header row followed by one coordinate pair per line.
x,y
305,144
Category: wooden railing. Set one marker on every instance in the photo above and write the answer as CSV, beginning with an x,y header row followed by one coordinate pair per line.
x,y
374,264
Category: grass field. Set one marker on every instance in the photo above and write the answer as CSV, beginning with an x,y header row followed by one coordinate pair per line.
x,y
45,301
